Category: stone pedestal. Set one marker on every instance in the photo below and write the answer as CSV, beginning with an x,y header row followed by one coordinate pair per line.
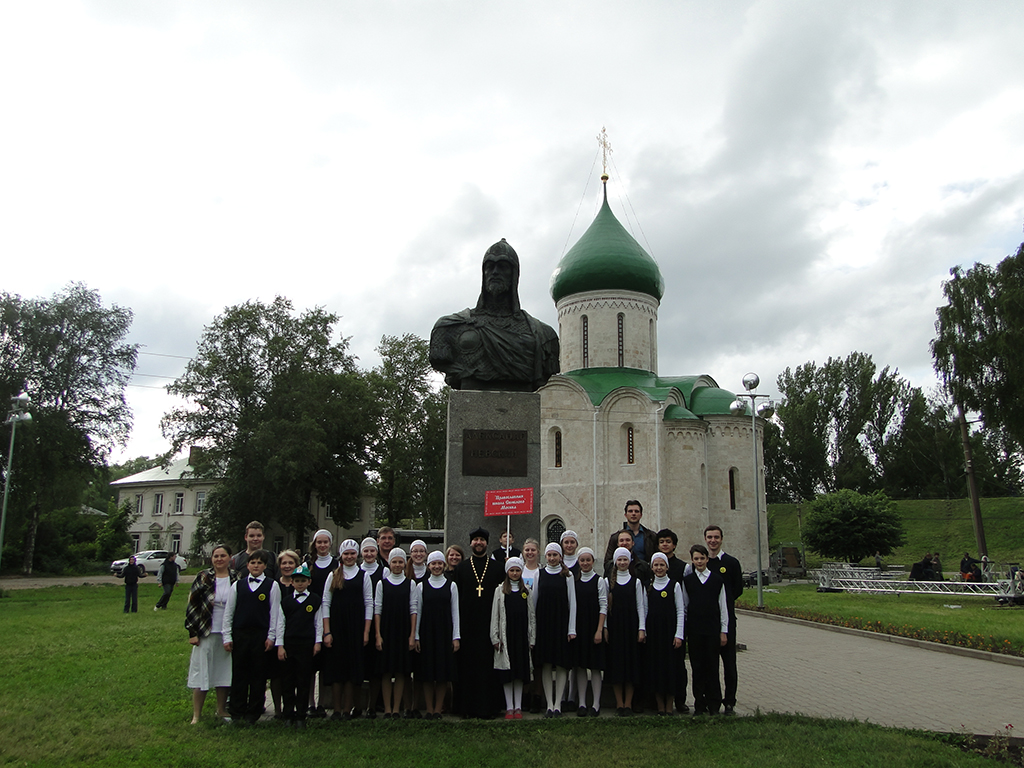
x,y
504,414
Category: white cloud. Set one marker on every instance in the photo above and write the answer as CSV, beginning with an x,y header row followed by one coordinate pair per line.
x,y
805,174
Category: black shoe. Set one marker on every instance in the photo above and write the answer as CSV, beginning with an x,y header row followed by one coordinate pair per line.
x,y
683,708
549,714
370,714
594,712
729,710
557,713
581,712
317,712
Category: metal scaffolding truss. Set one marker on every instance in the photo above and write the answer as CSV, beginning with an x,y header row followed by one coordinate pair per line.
x,y
880,586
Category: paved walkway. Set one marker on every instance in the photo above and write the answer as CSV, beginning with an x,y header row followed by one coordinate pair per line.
x,y
814,671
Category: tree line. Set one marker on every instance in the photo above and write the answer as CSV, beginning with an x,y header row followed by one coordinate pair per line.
x,y
281,410
274,399
848,437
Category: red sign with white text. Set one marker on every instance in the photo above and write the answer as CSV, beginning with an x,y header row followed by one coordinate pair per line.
x,y
514,501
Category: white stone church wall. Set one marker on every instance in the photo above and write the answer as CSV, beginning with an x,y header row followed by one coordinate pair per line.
x,y
640,330
729,447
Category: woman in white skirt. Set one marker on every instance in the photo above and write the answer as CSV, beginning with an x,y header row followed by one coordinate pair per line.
x,y
210,665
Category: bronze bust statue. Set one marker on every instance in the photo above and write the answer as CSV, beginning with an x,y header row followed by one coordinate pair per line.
x,y
496,345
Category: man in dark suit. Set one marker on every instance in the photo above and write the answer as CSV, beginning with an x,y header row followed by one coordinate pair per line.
x,y
728,567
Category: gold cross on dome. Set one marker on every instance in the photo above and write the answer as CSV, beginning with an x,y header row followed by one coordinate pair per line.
x,y
606,149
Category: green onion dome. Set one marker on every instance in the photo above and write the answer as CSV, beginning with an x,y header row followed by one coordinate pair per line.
x,y
607,257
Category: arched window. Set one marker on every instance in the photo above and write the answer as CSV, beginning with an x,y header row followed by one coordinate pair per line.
x,y
586,343
630,452
558,447
650,333
555,530
732,488
622,322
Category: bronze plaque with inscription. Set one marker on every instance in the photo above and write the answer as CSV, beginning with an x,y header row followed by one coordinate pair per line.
x,y
494,452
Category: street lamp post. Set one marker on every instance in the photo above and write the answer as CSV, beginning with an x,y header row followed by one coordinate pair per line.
x,y
765,411
18,412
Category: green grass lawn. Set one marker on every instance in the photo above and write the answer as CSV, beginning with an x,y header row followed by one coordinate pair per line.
x,y
84,684
932,525
976,616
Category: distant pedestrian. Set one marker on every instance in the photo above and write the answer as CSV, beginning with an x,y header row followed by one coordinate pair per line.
x,y
878,561
131,573
167,577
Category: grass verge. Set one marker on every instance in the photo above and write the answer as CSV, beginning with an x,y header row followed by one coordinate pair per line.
x,y
978,622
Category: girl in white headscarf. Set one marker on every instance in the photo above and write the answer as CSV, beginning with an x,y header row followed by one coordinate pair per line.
x,y
437,634
395,609
554,599
664,625
591,613
626,630
348,613
371,659
416,569
513,634
322,564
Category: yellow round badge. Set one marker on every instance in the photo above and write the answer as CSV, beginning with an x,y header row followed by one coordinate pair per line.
x,y
262,596
525,595
309,609
722,569
664,593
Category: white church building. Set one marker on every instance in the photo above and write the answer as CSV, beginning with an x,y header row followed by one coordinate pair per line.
x,y
613,428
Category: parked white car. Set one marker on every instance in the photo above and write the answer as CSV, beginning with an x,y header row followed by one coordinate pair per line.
x,y
150,560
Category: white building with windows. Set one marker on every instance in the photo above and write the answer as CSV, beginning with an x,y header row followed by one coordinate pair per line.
x,y
613,428
170,501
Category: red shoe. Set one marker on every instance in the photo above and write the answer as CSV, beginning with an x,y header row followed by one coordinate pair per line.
x,y
517,715
508,714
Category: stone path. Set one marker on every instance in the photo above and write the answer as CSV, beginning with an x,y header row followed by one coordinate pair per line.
x,y
810,670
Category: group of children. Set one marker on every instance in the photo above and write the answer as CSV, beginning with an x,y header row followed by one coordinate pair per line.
x,y
396,625
627,629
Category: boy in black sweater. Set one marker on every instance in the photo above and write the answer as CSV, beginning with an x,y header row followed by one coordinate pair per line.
x,y
298,641
707,628
252,616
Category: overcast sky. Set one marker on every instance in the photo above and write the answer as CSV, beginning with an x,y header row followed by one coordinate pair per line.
x,y
805,173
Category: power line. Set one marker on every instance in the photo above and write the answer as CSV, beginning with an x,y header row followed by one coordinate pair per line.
x,y
160,354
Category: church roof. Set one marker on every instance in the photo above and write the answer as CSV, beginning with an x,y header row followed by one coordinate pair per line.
x,y
606,257
701,394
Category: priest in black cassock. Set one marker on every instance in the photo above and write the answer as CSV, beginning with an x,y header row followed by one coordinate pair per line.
x,y
477,693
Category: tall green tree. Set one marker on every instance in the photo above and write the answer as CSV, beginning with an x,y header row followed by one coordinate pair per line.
x,y
409,447
850,526
834,419
68,352
281,412
979,343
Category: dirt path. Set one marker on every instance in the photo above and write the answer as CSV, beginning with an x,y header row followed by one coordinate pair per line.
x,y
37,582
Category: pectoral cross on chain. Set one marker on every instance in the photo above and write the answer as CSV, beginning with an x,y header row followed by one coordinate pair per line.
x,y
479,590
